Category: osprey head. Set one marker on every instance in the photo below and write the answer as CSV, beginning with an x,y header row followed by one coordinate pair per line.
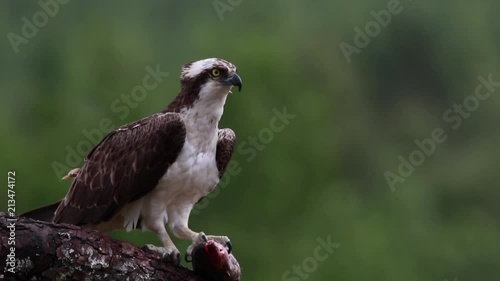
x,y
215,75
206,84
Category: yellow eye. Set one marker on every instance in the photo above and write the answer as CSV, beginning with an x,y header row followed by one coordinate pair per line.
x,y
215,72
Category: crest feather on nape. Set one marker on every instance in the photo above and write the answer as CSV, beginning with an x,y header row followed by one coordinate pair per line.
x,y
193,69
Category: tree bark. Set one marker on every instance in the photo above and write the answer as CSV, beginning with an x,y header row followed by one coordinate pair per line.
x,y
47,251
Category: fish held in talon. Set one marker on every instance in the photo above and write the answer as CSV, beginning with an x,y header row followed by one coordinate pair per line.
x,y
212,260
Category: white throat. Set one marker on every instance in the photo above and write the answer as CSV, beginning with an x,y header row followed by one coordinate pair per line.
x,y
202,119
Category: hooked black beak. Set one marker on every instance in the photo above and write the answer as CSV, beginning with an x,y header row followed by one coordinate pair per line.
x,y
234,80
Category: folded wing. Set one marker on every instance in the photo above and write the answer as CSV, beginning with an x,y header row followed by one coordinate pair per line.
x,y
126,165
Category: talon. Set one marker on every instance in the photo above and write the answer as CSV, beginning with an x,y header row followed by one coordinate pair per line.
x,y
177,260
201,238
204,237
149,248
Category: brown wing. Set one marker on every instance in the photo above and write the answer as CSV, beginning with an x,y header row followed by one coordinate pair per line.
x,y
225,149
126,165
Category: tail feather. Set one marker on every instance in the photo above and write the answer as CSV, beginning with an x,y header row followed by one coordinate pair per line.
x,y
45,213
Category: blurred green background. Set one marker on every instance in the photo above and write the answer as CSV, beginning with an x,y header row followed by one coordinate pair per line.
x,y
323,175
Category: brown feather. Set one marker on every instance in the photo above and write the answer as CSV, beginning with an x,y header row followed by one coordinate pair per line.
x,y
225,149
124,166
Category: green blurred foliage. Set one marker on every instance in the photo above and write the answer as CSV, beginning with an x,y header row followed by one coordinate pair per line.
x,y
323,175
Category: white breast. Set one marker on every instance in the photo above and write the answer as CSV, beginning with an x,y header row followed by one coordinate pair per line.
x,y
192,176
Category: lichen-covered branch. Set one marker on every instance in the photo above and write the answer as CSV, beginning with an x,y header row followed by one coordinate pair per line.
x,y
46,251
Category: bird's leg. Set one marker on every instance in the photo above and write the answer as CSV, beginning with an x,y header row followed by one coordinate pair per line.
x,y
169,252
178,223
183,232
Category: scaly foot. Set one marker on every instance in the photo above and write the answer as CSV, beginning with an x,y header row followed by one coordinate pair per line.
x,y
169,255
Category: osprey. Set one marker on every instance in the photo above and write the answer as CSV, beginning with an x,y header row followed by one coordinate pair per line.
x,y
152,172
